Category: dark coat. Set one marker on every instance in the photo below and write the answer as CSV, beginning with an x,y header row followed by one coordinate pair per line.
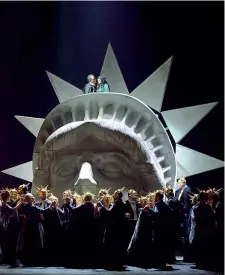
x,y
53,235
163,232
81,232
115,241
184,202
140,249
30,243
202,234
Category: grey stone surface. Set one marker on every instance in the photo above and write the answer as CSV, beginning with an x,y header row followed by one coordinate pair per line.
x,y
186,269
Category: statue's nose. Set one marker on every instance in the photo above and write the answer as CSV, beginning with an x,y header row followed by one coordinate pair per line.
x,y
86,180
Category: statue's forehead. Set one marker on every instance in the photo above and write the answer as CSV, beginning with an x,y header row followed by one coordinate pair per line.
x,y
97,139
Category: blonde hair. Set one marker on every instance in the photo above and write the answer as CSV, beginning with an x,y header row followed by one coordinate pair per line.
x,y
133,194
109,197
40,190
67,194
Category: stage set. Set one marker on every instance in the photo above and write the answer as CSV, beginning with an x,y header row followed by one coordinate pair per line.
x,y
106,138
101,129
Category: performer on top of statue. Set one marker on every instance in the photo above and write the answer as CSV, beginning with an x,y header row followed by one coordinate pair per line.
x,y
90,87
42,193
102,85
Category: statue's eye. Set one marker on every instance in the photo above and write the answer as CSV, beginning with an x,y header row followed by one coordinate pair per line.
x,y
67,171
112,169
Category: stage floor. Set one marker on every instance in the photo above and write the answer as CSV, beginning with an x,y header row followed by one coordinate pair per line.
x,y
176,269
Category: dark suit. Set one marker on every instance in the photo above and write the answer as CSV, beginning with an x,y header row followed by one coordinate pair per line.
x,y
115,241
184,200
140,249
184,205
162,233
202,234
81,232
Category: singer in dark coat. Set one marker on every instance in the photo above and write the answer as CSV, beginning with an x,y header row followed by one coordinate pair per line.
x,y
114,244
175,224
163,231
140,249
30,242
9,224
81,232
52,223
203,232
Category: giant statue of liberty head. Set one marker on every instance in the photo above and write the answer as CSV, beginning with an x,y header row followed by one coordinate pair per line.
x,y
109,140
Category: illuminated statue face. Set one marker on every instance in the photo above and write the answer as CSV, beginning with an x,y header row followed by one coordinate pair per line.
x,y
92,154
95,162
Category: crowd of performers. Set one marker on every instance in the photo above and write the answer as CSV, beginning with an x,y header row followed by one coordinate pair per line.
x,y
106,231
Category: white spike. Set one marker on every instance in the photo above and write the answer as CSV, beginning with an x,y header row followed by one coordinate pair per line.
x,y
111,71
191,162
181,121
151,91
32,124
23,171
63,89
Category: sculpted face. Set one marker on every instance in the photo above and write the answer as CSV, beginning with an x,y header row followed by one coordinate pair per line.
x,y
101,141
103,158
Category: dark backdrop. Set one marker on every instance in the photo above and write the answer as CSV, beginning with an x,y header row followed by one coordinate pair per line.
x,y
70,39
